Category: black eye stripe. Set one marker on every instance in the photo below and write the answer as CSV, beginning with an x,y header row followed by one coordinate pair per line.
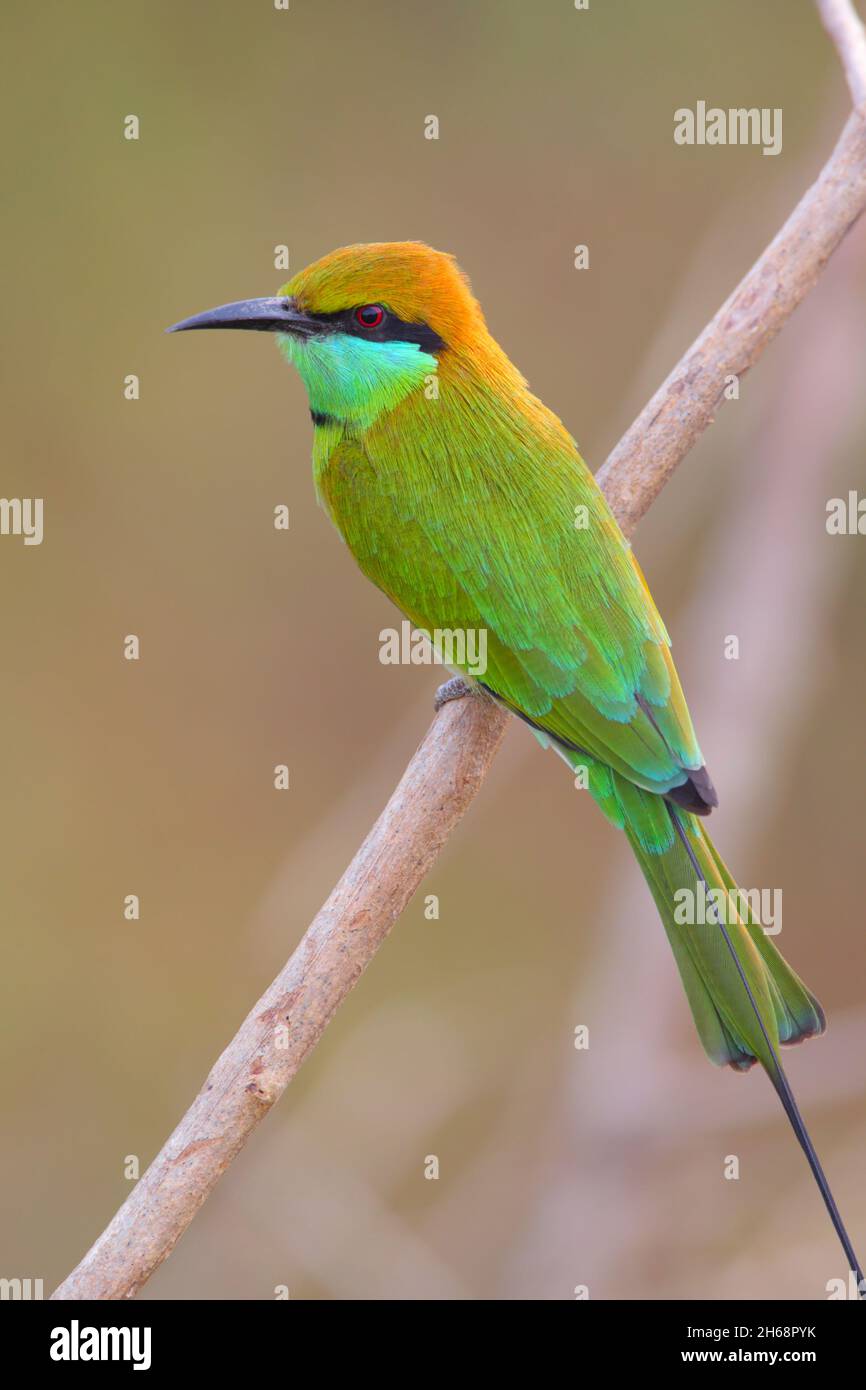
x,y
392,329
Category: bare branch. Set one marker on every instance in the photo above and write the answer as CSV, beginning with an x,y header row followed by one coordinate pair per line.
x,y
735,338
846,30
289,1019
449,767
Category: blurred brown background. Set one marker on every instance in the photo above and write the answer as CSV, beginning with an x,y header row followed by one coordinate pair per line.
x,y
558,1167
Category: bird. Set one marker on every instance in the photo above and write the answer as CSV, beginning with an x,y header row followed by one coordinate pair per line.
x,y
466,501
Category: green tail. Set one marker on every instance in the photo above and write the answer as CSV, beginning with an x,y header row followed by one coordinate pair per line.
x,y
724,1014
745,998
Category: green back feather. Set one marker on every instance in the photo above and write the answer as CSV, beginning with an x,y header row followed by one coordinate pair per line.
x,y
463,510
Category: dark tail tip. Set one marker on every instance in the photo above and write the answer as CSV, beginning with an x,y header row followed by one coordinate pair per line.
x,y
697,794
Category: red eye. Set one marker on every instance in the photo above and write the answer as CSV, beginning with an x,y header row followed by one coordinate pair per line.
x,y
370,315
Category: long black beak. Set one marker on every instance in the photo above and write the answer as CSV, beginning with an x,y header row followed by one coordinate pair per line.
x,y
278,315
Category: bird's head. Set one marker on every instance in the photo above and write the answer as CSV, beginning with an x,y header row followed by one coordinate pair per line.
x,y
365,325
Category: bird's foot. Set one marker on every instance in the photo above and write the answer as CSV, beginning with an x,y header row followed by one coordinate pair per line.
x,y
455,689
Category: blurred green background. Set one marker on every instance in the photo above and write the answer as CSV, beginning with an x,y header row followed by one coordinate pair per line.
x,y
306,127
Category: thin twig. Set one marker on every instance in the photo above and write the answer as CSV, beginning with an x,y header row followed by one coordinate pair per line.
x,y
449,767
734,339
846,30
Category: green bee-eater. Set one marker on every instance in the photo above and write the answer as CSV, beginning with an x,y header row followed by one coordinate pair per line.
x,y
466,501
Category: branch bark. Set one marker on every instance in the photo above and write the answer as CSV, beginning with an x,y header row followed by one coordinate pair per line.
x,y
685,403
845,29
451,763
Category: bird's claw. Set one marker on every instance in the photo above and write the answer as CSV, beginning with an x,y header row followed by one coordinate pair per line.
x,y
455,689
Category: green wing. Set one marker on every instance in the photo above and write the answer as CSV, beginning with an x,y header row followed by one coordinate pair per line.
x,y
476,520
473,526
